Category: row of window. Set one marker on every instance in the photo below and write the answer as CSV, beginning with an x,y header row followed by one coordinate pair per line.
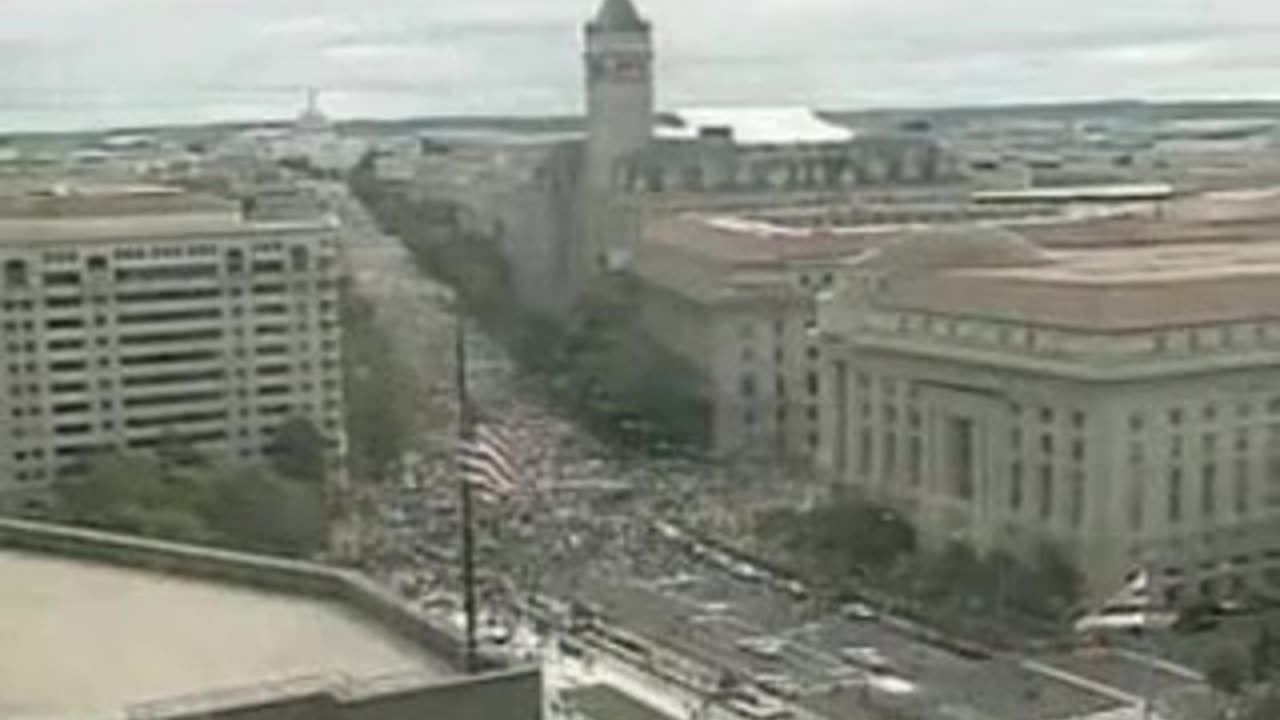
x,y
1237,336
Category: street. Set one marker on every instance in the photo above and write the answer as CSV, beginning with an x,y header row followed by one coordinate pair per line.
x,y
591,529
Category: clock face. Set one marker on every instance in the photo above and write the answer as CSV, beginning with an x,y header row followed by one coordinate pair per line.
x,y
630,68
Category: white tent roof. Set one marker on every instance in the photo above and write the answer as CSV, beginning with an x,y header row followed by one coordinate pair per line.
x,y
757,126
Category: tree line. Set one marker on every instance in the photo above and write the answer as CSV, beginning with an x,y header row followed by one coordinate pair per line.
x,y
598,364
177,493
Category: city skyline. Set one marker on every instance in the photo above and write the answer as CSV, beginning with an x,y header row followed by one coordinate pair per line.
x,y
68,66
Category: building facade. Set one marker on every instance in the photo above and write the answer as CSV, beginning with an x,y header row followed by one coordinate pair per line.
x,y
619,88
736,300
1122,404
128,325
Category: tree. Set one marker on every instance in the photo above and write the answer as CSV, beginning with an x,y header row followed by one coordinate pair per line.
x,y
1227,673
298,451
1262,654
1266,706
135,493
258,510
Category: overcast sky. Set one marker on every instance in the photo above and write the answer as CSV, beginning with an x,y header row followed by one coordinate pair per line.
x,y
67,63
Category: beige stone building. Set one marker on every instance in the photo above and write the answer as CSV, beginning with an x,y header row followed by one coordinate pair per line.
x,y
1123,403
130,315
733,293
735,299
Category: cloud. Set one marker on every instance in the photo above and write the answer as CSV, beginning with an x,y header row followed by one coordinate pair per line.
x,y
193,59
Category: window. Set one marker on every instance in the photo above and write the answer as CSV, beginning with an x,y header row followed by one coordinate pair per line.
x,y
812,383
890,455
915,460
1242,441
1077,420
1209,443
1210,412
1077,450
1175,495
299,258
1046,415
15,273
747,386
1046,444
1241,491
1136,422
864,452
1175,416
1046,491
1209,490
1077,498
1137,504
1015,486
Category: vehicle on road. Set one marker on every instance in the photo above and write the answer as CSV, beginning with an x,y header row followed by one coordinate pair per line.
x,y
768,648
796,589
780,685
867,658
858,611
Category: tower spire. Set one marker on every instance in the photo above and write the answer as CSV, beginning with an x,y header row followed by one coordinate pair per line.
x,y
619,16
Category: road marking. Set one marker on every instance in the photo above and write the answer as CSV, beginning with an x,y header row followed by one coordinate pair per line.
x,y
1168,666
1094,686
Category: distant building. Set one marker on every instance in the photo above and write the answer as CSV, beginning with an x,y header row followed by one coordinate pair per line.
x,y
734,296
568,212
1120,402
734,299
131,315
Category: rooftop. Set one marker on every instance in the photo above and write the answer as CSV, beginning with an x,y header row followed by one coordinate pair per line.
x,y
86,639
28,231
1000,276
618,15
734,240
753,126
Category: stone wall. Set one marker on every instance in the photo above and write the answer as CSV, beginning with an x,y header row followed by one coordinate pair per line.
x,y
498,693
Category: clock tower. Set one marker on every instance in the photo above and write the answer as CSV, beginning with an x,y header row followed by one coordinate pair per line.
x,y
619,67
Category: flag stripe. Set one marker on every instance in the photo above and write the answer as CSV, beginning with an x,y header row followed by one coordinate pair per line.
x,y
485,463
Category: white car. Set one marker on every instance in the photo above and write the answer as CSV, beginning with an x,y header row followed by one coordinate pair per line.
x,y
781,685
867,658
768,648
858,611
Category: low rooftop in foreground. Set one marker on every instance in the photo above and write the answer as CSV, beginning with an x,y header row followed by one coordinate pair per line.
x,y
81,639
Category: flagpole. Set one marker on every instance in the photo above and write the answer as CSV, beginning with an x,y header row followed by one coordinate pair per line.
x,y
464,487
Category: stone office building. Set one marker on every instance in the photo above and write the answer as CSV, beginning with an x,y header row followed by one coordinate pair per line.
x,y
131,315
1122,403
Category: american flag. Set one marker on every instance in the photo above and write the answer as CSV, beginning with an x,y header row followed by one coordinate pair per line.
x,y
485,461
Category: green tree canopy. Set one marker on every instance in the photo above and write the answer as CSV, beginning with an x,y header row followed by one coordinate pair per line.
x,y
1227,672
299,451
249,508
